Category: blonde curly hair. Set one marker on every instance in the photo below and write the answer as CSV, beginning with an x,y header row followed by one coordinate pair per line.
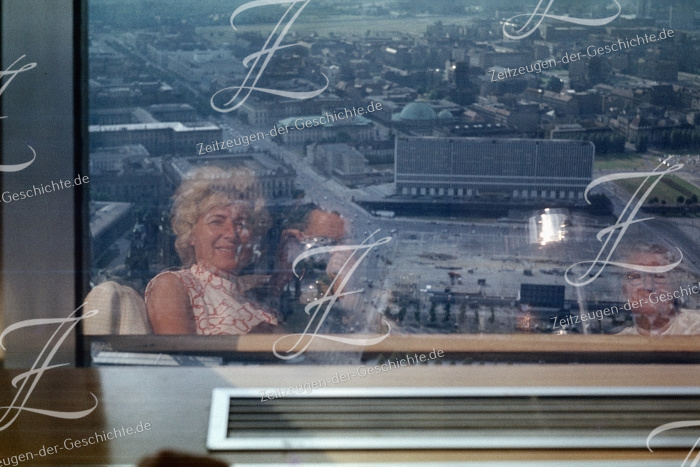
x,y
205,188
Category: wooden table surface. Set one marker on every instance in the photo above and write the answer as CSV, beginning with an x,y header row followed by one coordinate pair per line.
x,y
176,401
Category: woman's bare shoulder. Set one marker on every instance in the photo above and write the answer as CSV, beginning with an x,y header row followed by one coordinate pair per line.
x,y
168,305
167,279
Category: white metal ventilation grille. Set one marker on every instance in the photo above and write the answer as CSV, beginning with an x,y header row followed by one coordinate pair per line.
x,y
558,463
450,418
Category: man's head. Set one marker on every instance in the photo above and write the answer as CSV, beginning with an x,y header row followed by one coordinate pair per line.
x,y
650,290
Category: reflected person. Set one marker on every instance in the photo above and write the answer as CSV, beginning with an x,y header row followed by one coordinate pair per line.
x,y
655,297
219,219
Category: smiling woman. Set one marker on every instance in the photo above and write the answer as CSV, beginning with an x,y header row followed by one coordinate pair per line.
x,y
219,218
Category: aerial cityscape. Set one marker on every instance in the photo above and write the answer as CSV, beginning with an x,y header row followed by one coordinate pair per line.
x,y
468,138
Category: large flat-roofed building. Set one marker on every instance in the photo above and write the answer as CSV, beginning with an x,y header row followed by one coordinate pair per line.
x,y
276,180
488,167
357,127
159,138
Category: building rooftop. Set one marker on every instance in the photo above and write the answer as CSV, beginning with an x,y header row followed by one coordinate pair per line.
x,y
102,215
175,126
119,152
259,163
356,120
418,111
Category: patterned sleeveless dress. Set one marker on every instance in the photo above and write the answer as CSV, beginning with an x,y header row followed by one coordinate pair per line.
x,y
218,301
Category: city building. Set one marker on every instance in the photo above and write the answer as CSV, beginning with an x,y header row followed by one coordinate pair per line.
x,y
417,117
275,180
130,177
113,159
265,111
500,56
159,138
520,169
682,14
523,116
151,114
327,127
108,222
173,112
578,131
336,156
341,161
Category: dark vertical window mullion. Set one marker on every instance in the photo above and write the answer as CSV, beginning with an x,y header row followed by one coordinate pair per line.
x,y
81,163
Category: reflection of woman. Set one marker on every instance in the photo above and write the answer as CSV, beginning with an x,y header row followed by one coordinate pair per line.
x,y
218,217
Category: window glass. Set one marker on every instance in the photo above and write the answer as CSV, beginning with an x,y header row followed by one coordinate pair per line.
x,y
355,173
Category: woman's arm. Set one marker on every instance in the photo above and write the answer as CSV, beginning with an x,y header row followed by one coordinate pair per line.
x,y
168,306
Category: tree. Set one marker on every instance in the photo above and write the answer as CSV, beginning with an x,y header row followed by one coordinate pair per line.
x,y
436,93
402,314
602,144
642,144
462,311
555,85
617,143
600,204
597,71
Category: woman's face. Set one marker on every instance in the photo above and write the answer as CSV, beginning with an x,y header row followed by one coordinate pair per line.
x,y
222,238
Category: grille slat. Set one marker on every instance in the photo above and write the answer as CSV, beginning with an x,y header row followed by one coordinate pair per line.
x,y
484,405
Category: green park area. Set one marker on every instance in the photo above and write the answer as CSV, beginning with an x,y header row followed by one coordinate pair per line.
x,y
621,162
671,190
328,25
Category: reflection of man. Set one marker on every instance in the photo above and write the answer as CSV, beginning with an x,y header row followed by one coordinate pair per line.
x,y
321,228
654,297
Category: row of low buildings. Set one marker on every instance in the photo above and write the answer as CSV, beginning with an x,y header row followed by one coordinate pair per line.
x,y
124,167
